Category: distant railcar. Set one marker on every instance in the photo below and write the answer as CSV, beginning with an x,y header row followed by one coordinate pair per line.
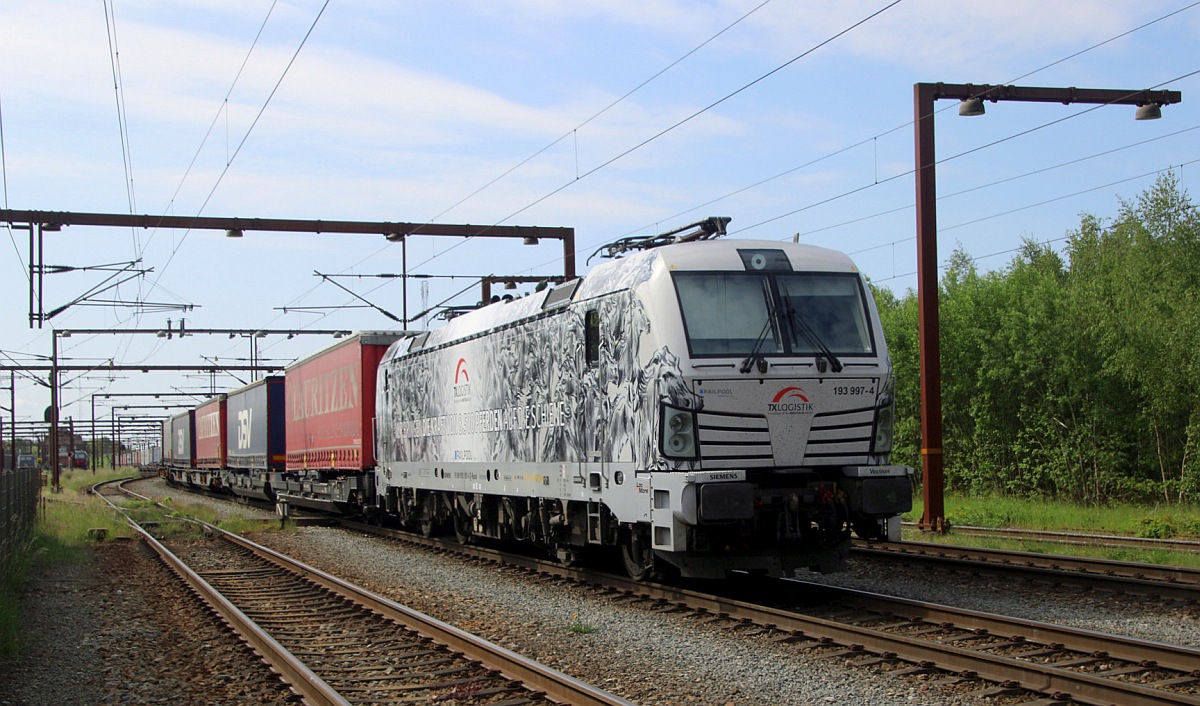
x,y
255,428
210,444
179,449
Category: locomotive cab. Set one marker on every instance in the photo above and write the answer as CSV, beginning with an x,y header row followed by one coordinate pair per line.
x,y
774,427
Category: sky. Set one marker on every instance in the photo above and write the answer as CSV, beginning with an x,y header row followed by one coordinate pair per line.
x,y
612,117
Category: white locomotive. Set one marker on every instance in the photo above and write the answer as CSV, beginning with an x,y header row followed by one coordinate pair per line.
x,y
702,405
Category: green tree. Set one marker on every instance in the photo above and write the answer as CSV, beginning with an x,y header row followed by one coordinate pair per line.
x,y
1075,377
1146,294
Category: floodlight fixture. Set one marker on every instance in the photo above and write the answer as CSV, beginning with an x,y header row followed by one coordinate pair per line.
x,y
1148,111
971,107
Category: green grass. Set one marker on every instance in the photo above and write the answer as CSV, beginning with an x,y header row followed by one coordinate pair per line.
x,y
10,605
579,627
1175,521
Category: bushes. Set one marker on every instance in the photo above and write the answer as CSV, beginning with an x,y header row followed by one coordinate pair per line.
x,y
1166,527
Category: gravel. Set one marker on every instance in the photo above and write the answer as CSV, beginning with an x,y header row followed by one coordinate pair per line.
x,y
641,654
645,656
119,628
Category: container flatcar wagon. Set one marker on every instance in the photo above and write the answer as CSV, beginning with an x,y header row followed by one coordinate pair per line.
x,y
255,427
210,442
179,434
330,412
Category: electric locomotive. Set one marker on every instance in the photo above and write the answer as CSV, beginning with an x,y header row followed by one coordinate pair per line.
x,y
701,405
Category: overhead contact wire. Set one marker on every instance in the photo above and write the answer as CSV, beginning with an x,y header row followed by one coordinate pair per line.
x,y
685,120
245,137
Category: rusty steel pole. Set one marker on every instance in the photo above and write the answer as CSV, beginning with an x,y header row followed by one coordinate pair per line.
x,y
928,331
54,441
928,326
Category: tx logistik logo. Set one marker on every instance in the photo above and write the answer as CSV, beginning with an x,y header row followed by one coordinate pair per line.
x,y
790,400
462,381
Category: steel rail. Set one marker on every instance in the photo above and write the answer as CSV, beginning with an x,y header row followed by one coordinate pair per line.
x,y
554,684
1055,681
1085,539
1177,657
551,683
304,681
1155,579
998,668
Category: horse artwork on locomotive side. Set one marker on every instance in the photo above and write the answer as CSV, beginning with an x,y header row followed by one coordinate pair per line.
x,y
703,405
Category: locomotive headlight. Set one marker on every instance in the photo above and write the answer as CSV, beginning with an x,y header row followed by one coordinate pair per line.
x,y
677,433
885,419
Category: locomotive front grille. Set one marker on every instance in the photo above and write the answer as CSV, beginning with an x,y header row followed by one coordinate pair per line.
x,y
840,438
729,440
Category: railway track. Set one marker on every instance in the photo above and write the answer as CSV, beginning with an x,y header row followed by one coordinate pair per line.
x,y
336,643
1057,661
991,653
1079,539
1179,582
1002,655
1157,580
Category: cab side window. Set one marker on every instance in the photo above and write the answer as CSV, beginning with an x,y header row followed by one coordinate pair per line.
x,y
591,342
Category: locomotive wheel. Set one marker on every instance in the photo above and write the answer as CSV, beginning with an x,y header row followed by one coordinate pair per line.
x,y
638,557
427,523
567,555
462,527
868,530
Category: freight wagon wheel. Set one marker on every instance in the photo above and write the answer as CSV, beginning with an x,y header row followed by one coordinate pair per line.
x,y
637,555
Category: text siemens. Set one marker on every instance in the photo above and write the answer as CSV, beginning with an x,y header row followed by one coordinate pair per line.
x,y
334,391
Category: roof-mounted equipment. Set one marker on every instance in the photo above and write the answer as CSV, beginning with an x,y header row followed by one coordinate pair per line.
x,y
711,227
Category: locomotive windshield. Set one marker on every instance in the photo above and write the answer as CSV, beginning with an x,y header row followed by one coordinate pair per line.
x,y
730,313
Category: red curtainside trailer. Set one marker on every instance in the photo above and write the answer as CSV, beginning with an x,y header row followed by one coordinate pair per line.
x,y
330,410
211,441
211,448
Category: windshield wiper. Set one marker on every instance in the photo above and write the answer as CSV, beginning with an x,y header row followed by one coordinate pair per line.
x,y
756,357
810,336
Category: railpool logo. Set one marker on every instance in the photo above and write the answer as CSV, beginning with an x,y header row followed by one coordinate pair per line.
x,y
790,400
462,381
